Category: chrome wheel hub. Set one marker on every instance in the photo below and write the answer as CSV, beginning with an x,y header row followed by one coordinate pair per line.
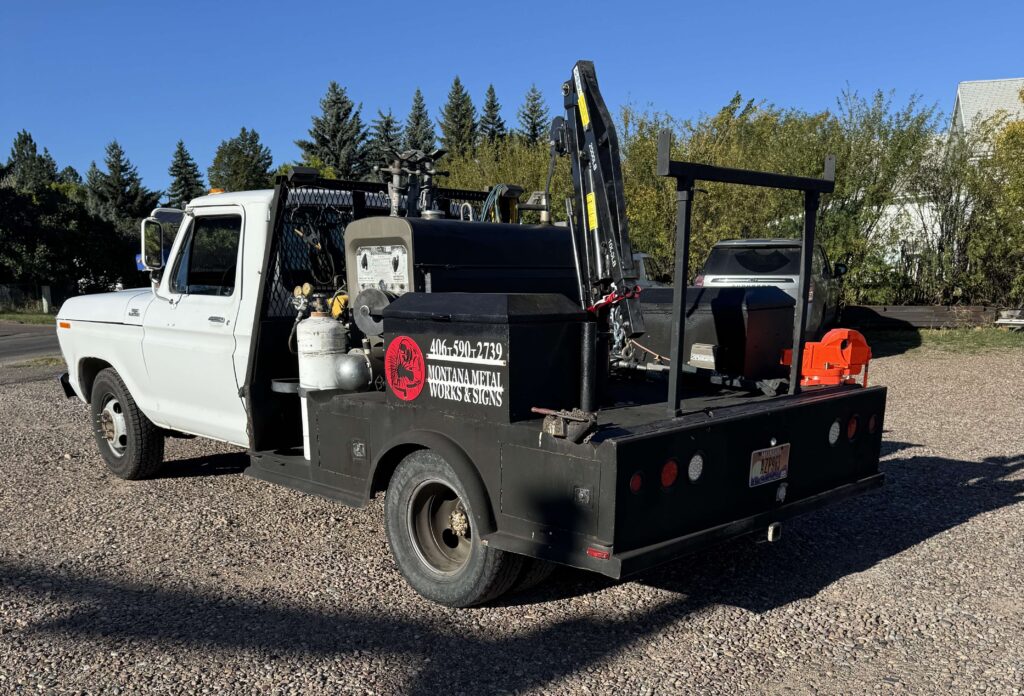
x,y
113,426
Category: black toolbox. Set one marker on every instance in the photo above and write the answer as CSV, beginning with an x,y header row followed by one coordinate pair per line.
x,y
483,355
739,332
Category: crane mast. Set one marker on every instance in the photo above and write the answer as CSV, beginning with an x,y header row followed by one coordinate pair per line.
x,y
586,135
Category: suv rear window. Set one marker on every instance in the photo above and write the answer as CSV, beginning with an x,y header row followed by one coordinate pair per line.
x,y
753,260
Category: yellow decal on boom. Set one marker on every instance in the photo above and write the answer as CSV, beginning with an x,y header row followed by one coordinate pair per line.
x,y
584,114
591,212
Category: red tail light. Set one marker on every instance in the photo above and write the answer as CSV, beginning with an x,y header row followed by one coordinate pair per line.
x,y
851,427
872,424
669,473
636,482
698,282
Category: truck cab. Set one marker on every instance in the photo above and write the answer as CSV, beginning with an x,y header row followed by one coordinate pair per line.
x,y
181,347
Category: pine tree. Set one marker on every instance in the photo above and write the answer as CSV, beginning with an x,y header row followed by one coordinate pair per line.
x,y
419,129
26,169
458,121
337,136
492,126
241,163
186,181
118,195
385,138
533,117
69,175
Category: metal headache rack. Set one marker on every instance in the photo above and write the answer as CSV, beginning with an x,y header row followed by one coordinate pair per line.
x,y
310,215
687,174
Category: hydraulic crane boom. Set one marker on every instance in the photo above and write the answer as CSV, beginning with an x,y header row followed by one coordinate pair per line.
x,y
607,270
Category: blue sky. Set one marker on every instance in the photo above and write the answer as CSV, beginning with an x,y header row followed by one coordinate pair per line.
x,y
78,74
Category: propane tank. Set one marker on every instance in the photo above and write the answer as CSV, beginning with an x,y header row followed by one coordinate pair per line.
x,y
321,341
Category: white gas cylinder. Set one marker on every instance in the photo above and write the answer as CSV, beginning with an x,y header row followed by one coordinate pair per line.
x,y
321,341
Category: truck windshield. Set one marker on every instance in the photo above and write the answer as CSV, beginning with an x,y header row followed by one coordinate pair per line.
x,y
725,260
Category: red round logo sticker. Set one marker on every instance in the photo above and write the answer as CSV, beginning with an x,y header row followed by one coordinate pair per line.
x,y
404,368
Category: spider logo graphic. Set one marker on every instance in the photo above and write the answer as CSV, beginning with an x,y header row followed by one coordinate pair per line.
x,y
404,368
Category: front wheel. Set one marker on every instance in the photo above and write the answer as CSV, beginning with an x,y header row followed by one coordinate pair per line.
x,y
431,532
129,443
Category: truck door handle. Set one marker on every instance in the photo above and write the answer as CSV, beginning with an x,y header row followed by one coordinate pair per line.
x,y
217,320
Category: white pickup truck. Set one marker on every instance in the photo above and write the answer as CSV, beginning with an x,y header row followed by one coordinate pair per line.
x,y
172,357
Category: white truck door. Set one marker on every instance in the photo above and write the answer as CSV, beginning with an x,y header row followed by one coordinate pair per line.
x,y
189,341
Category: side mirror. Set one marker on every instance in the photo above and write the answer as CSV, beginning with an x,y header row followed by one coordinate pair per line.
x,y
152,244
839,270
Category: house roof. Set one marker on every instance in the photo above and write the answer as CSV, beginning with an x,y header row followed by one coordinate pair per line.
x,y
981,99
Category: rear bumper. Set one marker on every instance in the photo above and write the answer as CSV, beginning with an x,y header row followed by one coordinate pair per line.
x,y
637,560
619,565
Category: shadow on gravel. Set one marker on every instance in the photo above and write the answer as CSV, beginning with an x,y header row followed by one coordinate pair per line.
x,y
924,496
207,465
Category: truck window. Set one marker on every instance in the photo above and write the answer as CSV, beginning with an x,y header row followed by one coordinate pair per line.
x,y
207,264
728,260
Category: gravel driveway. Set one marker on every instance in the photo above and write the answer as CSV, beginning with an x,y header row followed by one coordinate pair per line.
x,y
208,581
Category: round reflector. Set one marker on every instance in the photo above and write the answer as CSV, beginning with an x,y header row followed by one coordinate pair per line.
x,y
669,473
851,427
833,432
695,468
872,424
636,482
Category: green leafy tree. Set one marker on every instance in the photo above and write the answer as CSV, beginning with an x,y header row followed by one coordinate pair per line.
x,y
321,168
337,136
458,121
419,129
48,237
533,117
492,126
186,181
385,137
241,163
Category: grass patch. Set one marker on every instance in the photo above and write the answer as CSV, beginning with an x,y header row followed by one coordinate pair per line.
x,y
978,340
27,317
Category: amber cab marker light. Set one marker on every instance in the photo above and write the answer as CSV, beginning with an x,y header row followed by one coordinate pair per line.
x,y
636,482
64,324
851,427
669,473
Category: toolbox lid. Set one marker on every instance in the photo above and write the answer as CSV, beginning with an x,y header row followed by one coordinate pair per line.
x,y
485,308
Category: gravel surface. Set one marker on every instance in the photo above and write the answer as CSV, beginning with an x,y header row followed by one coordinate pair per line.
x,y
206,580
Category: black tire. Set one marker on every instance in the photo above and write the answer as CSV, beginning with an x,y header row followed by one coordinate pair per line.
x,y
450,568
535,571
129,443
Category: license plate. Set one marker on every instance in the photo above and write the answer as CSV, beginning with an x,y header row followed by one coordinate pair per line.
x,y
770,464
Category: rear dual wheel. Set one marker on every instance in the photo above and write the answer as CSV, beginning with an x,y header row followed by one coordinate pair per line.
x,y
431,531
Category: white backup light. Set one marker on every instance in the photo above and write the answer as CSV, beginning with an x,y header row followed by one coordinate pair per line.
x,y
833,432
695,468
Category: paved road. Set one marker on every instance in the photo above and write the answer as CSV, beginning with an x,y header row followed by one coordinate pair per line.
x,y
20,342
